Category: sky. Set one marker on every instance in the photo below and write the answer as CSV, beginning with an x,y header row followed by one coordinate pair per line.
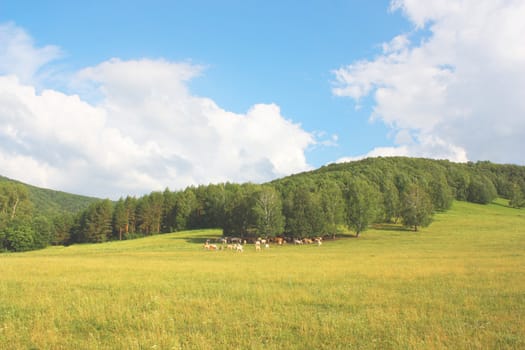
x,y
115,98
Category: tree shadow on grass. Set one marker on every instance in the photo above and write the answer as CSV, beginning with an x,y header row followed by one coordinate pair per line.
x,y
501,205
196,238
201,239
391,227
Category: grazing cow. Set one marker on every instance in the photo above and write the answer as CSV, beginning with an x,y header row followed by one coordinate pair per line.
x,y
258,246
279,240
239,248
297,241
319,241
209,246
307,241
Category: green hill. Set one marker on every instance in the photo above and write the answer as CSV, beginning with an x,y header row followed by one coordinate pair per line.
x,y
318,203
48,202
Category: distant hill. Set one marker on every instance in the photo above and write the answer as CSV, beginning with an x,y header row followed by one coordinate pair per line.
x,y
505,177
317,203
49,202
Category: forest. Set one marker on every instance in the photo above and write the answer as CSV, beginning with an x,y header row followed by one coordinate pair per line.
x,y
334,198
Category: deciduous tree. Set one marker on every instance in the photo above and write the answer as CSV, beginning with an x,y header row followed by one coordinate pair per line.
x,y
416,210
268,212
363,204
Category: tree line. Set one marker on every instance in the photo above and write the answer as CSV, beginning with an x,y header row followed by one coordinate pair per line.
x,y
318,203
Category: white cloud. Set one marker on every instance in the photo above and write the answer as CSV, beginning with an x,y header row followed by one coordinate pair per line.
x,y
401,151
19,56
459,90
134,128
424,146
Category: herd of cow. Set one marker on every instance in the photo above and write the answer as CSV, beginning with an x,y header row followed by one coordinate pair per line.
x,y
237,244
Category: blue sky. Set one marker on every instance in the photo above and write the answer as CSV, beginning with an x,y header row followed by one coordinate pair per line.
x,y
279,52
342,79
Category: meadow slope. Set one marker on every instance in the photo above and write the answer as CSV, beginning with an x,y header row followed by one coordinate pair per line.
x,y
459,283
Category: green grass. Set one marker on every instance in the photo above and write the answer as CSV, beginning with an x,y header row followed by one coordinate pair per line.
x,y
458,284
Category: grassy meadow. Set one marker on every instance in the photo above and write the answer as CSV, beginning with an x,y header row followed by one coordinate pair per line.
x,y
458,284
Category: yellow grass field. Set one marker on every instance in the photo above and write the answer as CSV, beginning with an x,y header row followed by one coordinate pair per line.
x,y
458,284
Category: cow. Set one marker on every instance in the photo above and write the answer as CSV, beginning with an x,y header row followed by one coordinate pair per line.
x,y
209,246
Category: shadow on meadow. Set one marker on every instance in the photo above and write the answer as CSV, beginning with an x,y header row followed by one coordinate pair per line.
x,y
198,238
391,227
499,204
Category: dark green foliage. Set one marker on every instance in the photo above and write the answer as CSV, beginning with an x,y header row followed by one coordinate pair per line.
x,y
19,238
186,208
213,199
120,220
16,233
130,203
268,212
239,214
32,217
170,201
363,204
149,213
440,193
42,232
459,180
391,201
304,213
332,204
15,204
49,203
517,197
416,207
481,190
95,223
61,228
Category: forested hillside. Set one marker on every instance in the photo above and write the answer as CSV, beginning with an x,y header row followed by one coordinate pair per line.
x,y
50,202
317,203
33,217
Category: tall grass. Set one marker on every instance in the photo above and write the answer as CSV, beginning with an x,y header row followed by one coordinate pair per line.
x,y
459,283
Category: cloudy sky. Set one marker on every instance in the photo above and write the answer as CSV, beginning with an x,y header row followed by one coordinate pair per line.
x,y
110,98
